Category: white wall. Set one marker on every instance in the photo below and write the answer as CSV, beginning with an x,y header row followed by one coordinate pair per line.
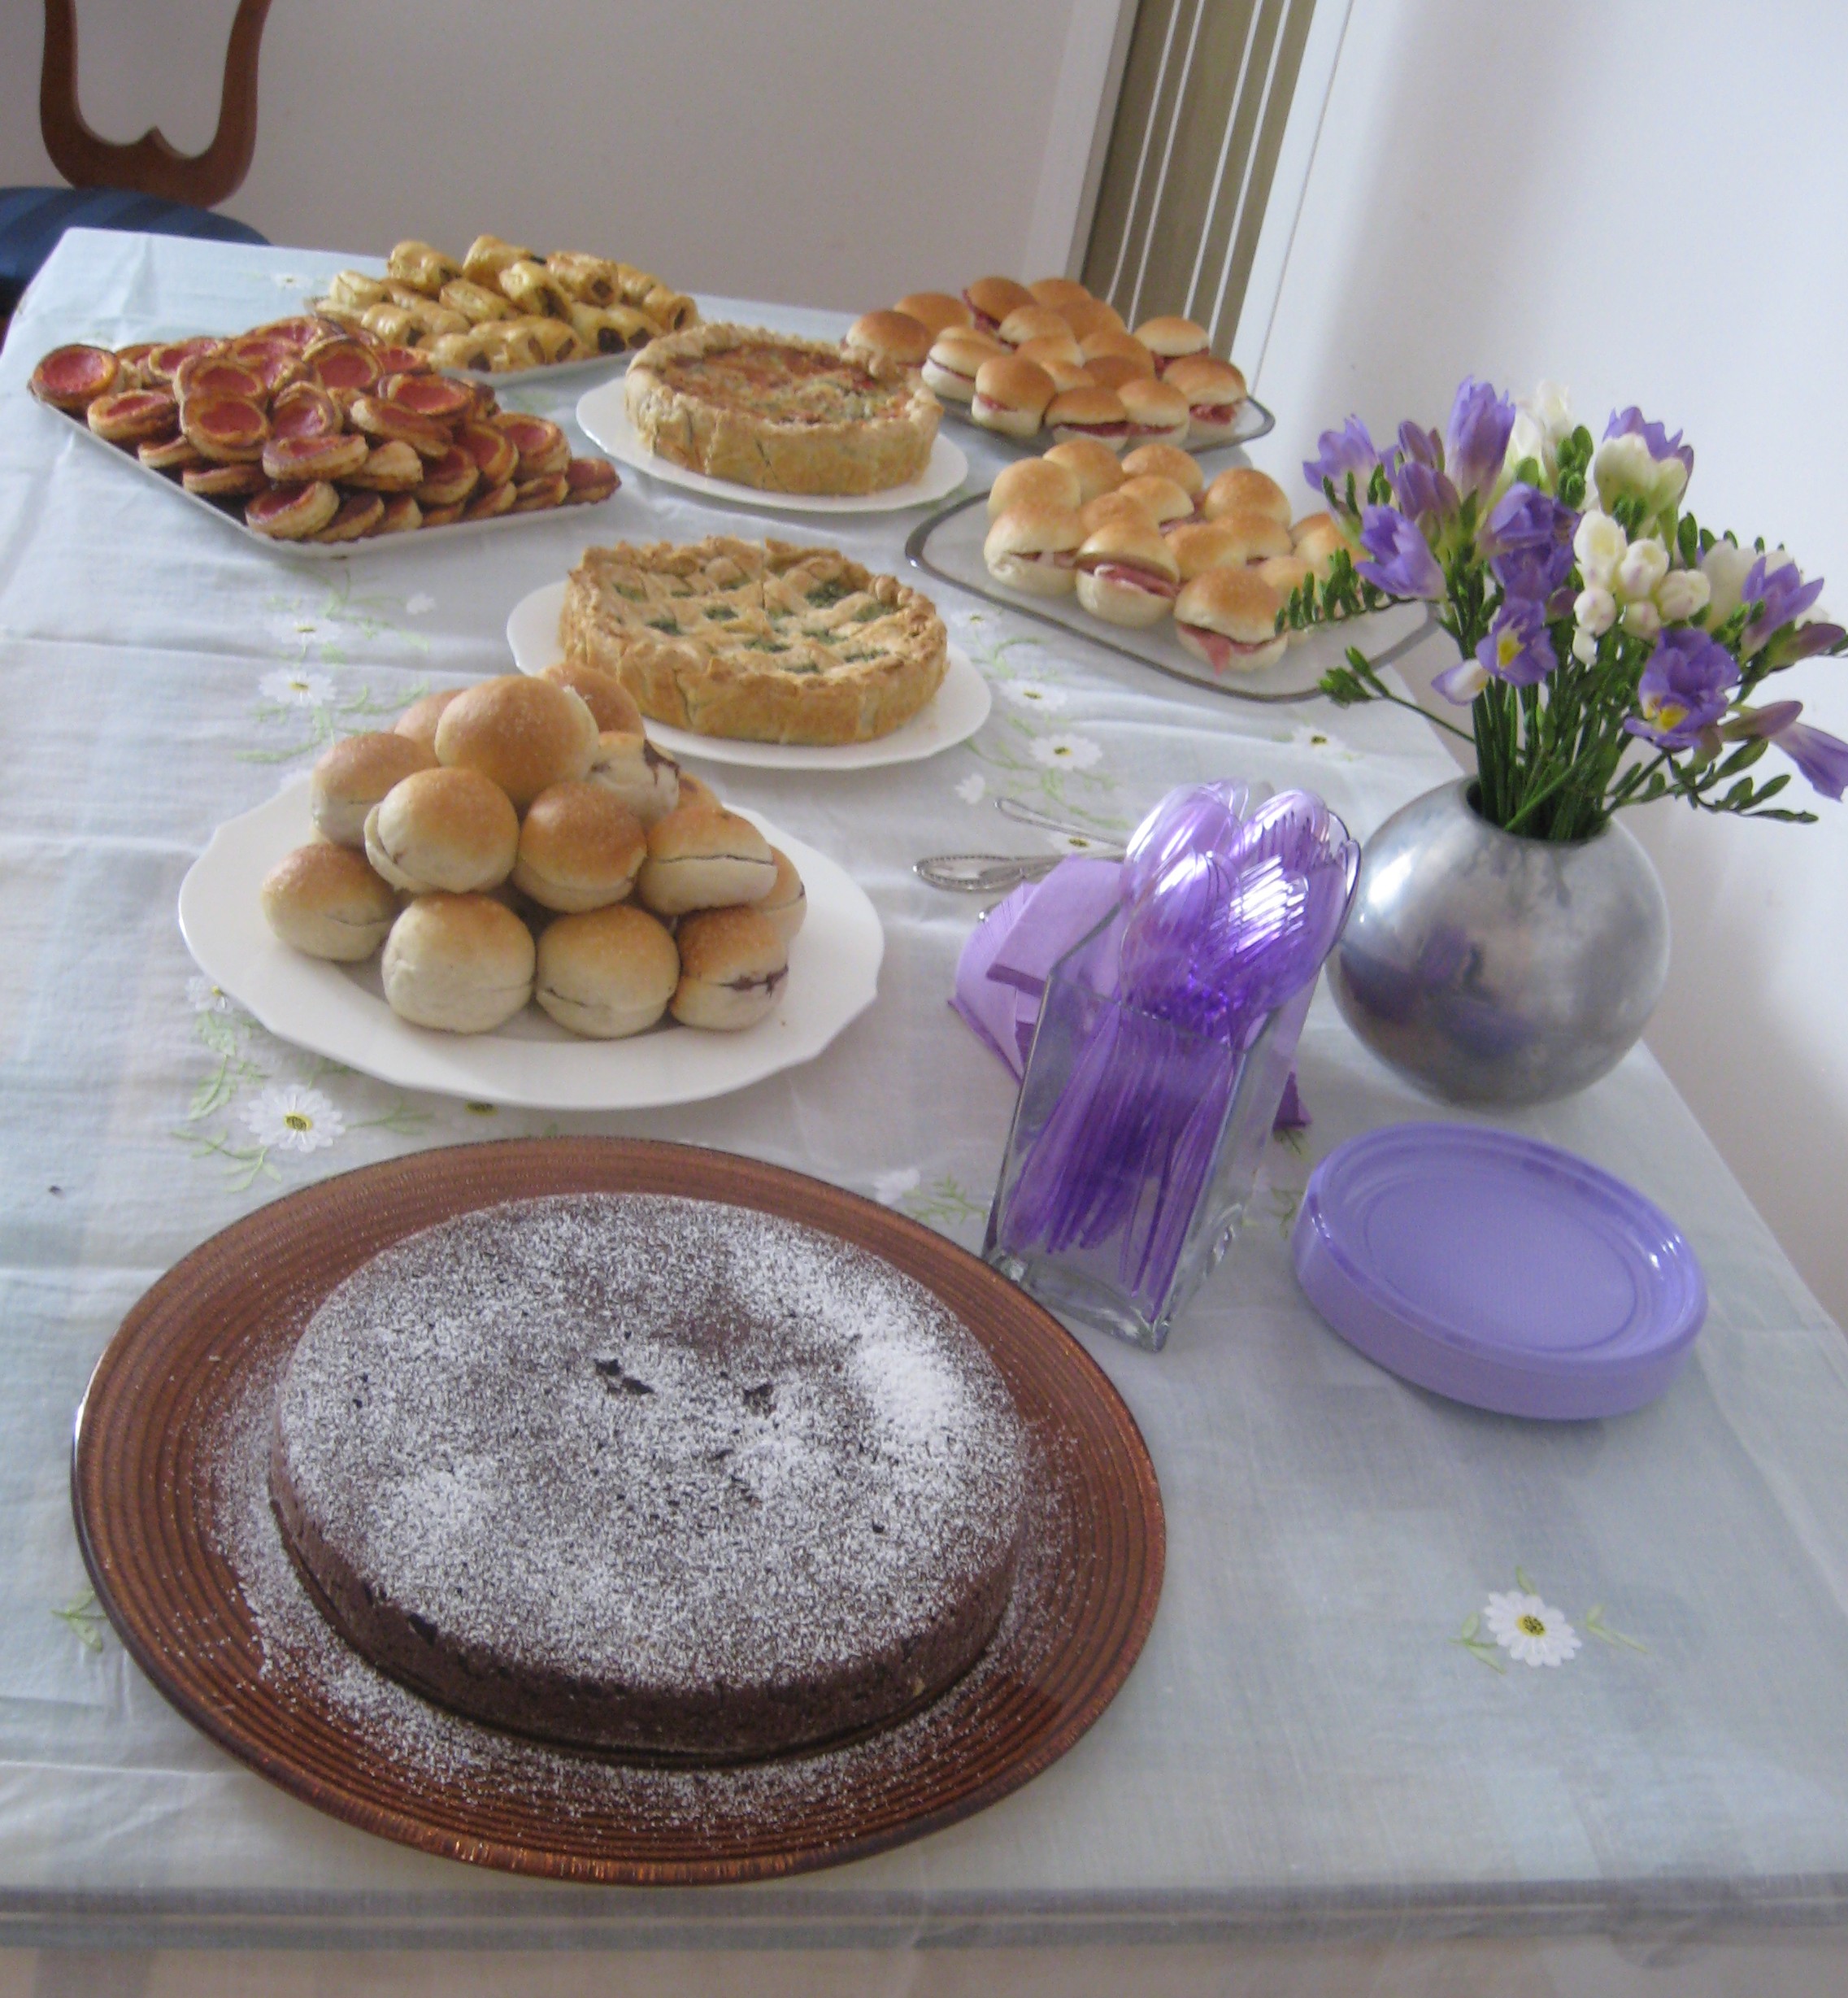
x,y
1642,200
831,152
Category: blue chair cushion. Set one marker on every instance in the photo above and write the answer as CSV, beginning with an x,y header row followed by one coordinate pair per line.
x,y
32,220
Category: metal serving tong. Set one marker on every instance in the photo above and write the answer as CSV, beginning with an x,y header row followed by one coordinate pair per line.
x,y
998,873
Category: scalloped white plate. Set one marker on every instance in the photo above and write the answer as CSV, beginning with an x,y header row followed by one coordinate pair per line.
x,y
960,707
603,417
531,1063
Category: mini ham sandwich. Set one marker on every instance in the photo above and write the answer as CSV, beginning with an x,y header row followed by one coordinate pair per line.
x,y
1127,573
1094,413
1215,396
1228,617
1011,396
1171,340
991,299
1034,548
1157,413
955,358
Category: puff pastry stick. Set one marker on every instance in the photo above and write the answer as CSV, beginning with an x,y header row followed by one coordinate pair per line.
x,y
475,302
425,270
533,289
616,330
488,256
588,281
355,288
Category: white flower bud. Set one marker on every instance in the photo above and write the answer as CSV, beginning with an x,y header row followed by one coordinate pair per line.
x,y
1641,620
1550,406
1680,594
1725,569
1595,610
1599,545
1527,439
1584,648
1624,469
1644,565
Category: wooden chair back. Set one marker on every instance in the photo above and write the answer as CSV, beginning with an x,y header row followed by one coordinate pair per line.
x,y
151,165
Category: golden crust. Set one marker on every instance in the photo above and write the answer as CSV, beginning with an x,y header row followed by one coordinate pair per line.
x,y
763,643
780,414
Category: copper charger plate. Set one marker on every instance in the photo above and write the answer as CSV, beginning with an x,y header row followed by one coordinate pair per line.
x,y
165,1438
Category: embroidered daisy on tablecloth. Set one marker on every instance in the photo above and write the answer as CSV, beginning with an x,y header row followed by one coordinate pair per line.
x,y
1079,751
204,997
292,687
970,789
1531,1630
1030,693
294,1118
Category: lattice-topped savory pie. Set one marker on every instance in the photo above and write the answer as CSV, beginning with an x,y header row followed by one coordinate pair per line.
x,y
781,414
763,643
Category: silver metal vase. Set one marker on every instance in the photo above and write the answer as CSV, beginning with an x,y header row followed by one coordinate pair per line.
x,y
1489,968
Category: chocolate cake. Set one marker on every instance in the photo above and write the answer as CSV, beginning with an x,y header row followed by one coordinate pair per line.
x,y
652,1475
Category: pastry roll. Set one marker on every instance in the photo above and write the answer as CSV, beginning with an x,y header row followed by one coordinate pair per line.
x,y
673,310
558,340
510,346
534,289
614,329
353,288
488,256
437,321
475,302
590,281
635,284
471,350
423,269
349,318
392,324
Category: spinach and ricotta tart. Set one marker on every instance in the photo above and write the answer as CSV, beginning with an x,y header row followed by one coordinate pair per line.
x,y
761,642
779,413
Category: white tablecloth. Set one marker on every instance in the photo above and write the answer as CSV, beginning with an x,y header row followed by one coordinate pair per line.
x,y
1305,1755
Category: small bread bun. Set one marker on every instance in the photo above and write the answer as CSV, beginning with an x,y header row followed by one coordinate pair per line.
x,y
991,299
696,790
523,733
1106,342
1092,414
325,901
1086,316
1110,371
579,849
1031,322
701,856
636,775
606,974
1127,573
787,902
354,775
1286,575
1033,481
1157,413
463,962
1229,618
1319,539
1172,339
1065,375
1011,396
1032,548
612,707
955,358
1201,545
419,720
1094,463
1166,461
894,336
1165,502
1058,292
1215,392
1256,537
1245,490
1047,348
733,967
1114,506
936,310
446,830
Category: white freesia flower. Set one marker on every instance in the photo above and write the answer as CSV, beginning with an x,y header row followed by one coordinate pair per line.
x,y
1644,564
1080,751
1624,468
1533,1631
294,687
1679,594
1641,620
1033,694
889,1188
1600,545
1584,648
293,1118
1540,421
970,789
1725,567
1551,405
1527,439
1595,610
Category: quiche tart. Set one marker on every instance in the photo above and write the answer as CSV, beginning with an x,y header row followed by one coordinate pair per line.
x,y
781,414
763,643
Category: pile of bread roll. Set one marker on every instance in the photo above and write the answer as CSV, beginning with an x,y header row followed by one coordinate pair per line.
x,y
504,307
1146,537
1023,358
522,840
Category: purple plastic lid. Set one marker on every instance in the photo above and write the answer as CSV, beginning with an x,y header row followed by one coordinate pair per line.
x,y
1498,1271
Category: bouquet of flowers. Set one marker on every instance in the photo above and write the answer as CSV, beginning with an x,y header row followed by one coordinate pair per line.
x,y
1611,648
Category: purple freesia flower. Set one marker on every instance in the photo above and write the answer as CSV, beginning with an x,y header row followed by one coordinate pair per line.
x,y
1349,448
1400,561
1475,444
1424,494
1822,758
1684,688
1631,423
1528,540
1421,447
1782,596
1519,648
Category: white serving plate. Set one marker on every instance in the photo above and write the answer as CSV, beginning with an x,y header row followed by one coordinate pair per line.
x,y
959,708
531,1063
603,417
309,550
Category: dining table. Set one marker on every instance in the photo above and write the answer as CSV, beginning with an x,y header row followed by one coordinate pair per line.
x,y
1323,1773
